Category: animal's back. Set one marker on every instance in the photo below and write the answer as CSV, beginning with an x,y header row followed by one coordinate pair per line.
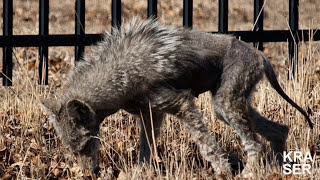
x,y
143,55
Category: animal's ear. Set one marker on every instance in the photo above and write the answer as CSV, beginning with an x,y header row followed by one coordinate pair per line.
x,y
51,105
81,113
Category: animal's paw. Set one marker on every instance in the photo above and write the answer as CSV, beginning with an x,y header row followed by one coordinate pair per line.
x,y
221,176
249,175
246,174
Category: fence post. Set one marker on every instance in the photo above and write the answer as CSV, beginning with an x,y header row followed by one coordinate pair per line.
x,y
79,26
152,8
258,21
187,13
116,13
294,27
7,51
223,16
43,50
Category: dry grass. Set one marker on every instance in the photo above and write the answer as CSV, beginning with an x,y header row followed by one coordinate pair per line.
x,y
29,148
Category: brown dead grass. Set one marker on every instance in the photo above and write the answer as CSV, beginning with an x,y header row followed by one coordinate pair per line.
x,y
29,148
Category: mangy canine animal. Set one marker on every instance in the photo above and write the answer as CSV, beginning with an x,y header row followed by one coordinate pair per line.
x,y
147,62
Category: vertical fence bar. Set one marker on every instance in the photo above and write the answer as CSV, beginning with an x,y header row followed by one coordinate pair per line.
x,y
43,50
223,16
79,26
294,26
116,13
7,51
258,21
187,13
152,8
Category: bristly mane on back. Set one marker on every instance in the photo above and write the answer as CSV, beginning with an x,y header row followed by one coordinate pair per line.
x,y
139,41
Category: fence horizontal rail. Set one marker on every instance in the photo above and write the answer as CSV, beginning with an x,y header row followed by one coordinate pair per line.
x,y
89,39
276,35
49,40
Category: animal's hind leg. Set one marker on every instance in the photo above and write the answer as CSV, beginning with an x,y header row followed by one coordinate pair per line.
x,y
231,104
274,132
236,114
146,138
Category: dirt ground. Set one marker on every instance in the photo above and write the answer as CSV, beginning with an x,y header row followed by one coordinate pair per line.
x,y
30,149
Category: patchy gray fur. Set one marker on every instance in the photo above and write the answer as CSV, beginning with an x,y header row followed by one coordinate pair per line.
x,y
146,62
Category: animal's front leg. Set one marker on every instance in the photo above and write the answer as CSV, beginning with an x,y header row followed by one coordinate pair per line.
x,y
191,119
149,131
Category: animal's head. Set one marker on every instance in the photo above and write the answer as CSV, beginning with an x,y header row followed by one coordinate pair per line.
x,y
76,125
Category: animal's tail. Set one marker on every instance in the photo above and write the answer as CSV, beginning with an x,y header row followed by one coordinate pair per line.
x,y
275,84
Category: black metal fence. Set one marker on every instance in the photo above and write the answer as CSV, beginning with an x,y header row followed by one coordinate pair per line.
x,y
80,39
